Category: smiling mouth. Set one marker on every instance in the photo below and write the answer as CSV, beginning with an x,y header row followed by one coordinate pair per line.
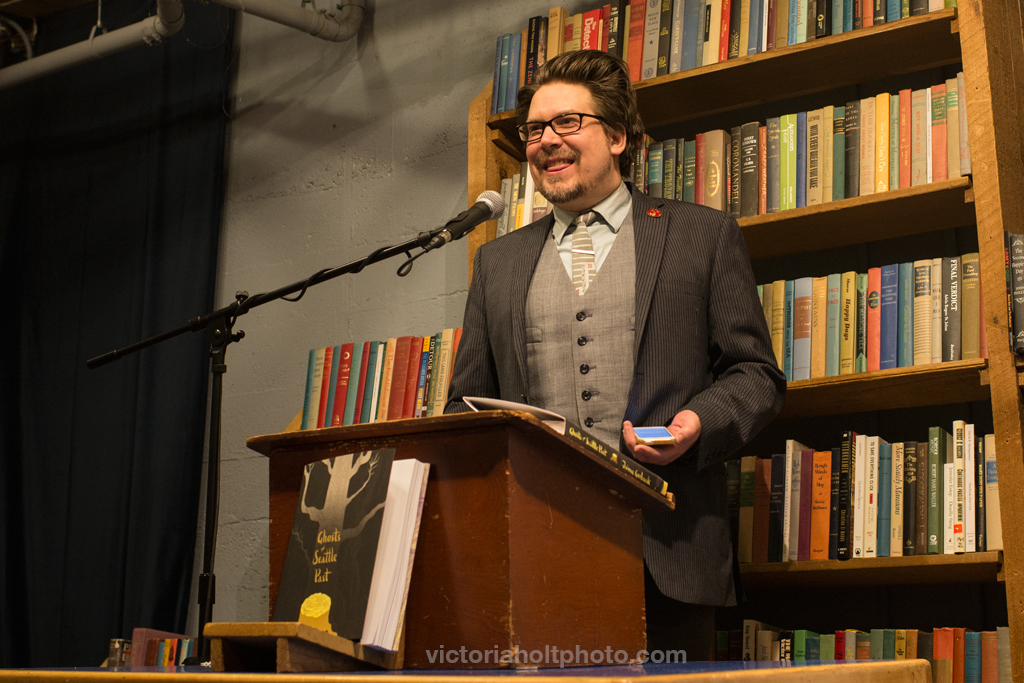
x,y
554,166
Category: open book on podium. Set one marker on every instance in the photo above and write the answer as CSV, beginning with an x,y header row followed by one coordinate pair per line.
x,y
529,552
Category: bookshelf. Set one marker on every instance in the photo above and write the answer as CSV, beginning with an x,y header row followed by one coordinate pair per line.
x,y
985,36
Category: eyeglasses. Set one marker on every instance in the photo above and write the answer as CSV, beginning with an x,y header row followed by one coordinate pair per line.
x,y
563,125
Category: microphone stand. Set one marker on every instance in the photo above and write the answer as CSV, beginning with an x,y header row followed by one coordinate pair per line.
x,y
218,326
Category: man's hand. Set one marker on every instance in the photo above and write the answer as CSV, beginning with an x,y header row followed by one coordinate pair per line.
x,y
685,427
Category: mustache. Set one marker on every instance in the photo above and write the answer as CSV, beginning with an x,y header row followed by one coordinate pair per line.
x,y
571,154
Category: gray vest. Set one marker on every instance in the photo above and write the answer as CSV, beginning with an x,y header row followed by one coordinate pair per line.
x,y
580,348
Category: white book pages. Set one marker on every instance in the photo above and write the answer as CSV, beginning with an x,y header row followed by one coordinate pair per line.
x,y
553,420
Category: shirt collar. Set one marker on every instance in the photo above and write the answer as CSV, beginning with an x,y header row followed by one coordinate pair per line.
x,y
612,210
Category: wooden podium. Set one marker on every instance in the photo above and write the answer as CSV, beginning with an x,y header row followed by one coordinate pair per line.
x,y
529,542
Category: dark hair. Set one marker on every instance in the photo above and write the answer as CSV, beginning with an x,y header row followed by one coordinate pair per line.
x,y
607,78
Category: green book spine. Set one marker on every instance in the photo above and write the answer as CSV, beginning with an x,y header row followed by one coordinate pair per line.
x,y
680,153
894,142
838,154
800,644
787,162
309,388
668,169
353,385
877,637
689,169
889,643
905,316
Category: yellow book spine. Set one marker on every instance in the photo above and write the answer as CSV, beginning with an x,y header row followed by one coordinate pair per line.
x,y
882,143
779,321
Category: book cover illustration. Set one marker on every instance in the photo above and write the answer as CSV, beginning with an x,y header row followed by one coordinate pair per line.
x,y
329,565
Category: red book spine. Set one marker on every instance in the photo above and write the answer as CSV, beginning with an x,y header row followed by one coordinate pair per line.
x,y
857,20
874,318
940,169
591,35
867,13
840,653
606,19
762,498
325,386
762,170
399,377
959,655
635,51
806,489
361,387
772,25
341,388
698,185
989,657
567,34
412,378
905,137
456,338
723,35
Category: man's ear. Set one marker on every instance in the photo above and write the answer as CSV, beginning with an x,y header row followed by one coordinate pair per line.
x,y
617,141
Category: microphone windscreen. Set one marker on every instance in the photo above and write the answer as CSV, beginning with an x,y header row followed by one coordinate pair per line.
x,y
494,201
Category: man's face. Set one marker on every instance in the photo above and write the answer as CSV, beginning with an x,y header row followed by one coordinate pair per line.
x,y
577,170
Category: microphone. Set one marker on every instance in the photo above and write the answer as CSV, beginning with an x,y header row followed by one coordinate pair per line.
x,y
488,207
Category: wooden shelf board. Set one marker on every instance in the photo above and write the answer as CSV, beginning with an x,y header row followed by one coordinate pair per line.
x,y
900,47
920,385
968,567
895,213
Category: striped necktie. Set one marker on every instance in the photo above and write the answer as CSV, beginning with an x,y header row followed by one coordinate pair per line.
x,y
583,267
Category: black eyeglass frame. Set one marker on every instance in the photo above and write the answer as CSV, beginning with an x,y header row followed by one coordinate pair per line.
x,y
524,134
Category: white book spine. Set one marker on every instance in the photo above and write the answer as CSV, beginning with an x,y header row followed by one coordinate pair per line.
x,y
651,40
860,449
948,507
959,538
713,44
675,60
937,310
871,499
896,502
794,507
787,503
764,26
970,497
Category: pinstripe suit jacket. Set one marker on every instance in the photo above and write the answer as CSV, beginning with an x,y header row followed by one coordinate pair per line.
x,y
701,344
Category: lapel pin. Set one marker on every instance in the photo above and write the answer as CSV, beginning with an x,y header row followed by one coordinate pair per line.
x,y
653,212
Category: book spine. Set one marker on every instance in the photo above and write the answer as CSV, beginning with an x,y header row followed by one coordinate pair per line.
x,y
699,169
833,514
905,317
749,189
921,504
910,498
970,297
838,154
308,395
833,326
776,509
852,147
938,147
652,24
951,318
820,505
762,170
1016,289
773,170
801,159
936,460
675,60
884,488
745,536
860,363
874,318
922,312
802,315
814,165
965,143
844,525
354,400
788,167
735,154
635,45
889,317
848,323
512,87
689,170
819,317
897,502
980,537
867,146
691,21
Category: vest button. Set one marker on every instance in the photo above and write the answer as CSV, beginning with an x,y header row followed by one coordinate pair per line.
x,y
582,341
586,395
581,316
584,369
589,422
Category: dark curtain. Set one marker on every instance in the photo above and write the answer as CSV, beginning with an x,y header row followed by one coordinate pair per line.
x,y
111,188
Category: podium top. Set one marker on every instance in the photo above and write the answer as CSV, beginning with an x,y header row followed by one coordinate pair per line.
x,y
450,425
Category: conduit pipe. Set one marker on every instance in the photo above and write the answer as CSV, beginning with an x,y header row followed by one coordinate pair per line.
x,y
170,15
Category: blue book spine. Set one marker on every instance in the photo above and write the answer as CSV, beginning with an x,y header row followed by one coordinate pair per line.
x,y
309,389
371,377
884,499
887,357
847,16
905,319
892,11
789,331
506,51
353,384
832,328
513,72
335,364
691,12
972,657
754,34
801,159
837,17
703,10
833,510
496,85
791,37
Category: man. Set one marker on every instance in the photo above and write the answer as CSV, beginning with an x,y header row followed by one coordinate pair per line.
x,y
619,310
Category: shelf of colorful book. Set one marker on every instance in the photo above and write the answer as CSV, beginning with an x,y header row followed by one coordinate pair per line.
x,y
909,45
919,385
913,569
908,211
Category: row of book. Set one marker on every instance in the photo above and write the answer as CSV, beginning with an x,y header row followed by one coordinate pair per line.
x,y
659,37
167,651
869,498
871,145
955,654
373,381
523,203
895,316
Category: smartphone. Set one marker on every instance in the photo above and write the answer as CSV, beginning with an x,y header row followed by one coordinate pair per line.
x,y
654,436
